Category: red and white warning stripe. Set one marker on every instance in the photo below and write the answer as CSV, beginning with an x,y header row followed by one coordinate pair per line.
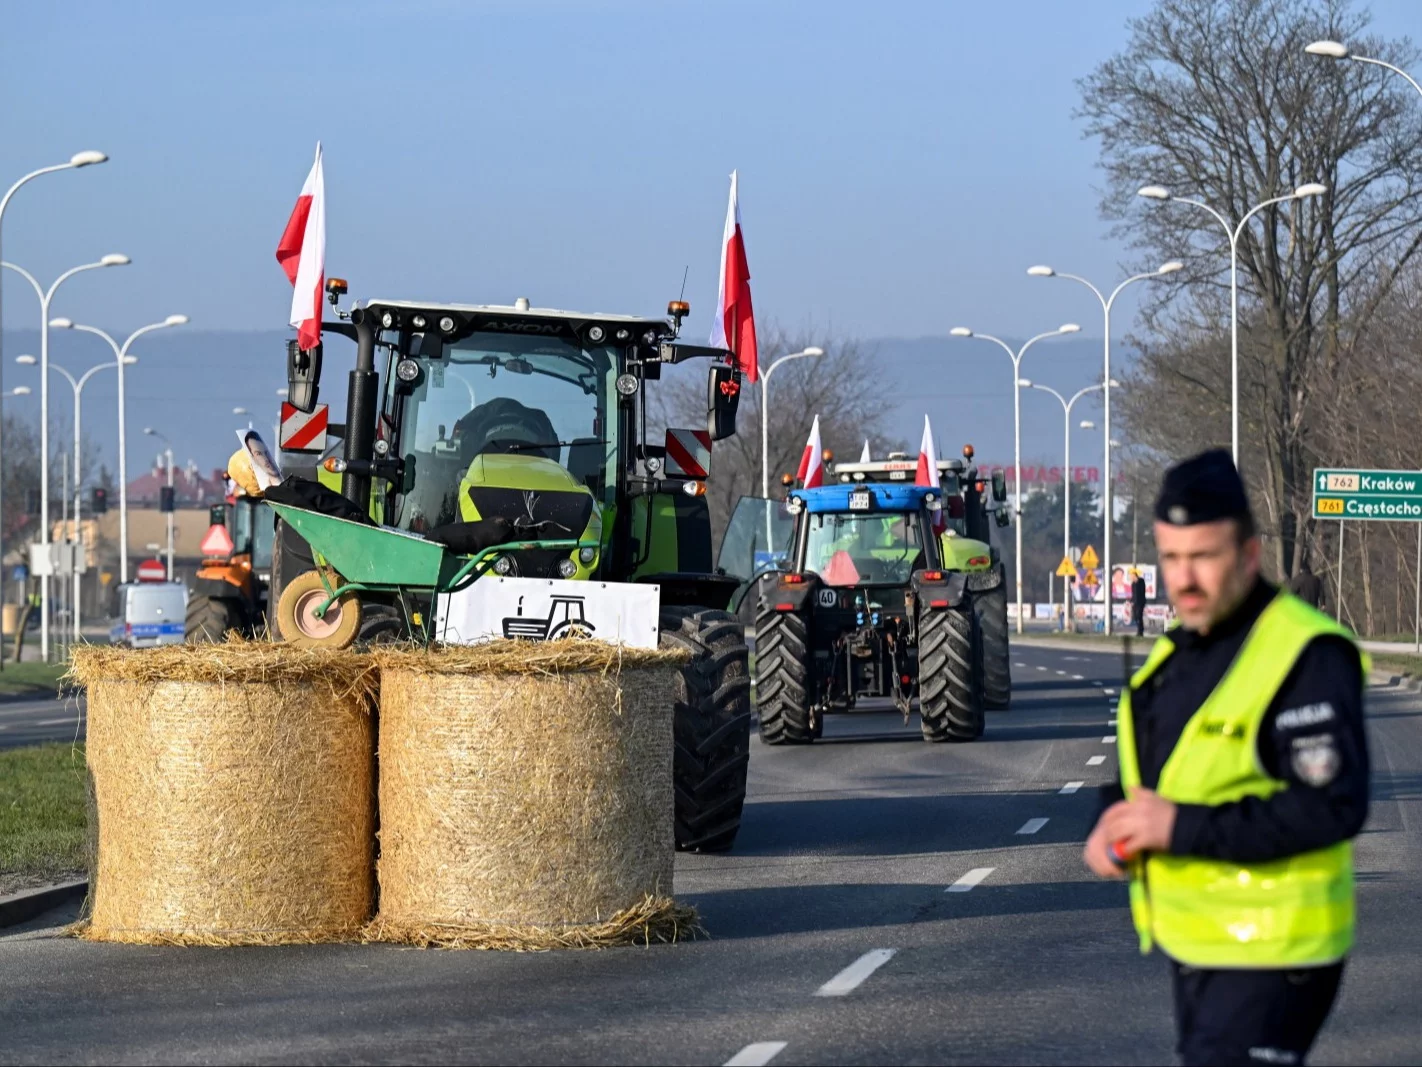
x,y
304,431
689,453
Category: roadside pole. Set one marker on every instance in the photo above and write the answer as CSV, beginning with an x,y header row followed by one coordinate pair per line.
x,y
1417,601
1338,578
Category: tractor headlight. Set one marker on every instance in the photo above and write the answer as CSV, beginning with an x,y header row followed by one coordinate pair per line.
x,y
567,568
503,566
587,554
418,322
626,384
387,320
446,324
407,370
596,334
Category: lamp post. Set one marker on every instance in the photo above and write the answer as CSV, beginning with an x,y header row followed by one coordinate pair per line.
x,y
121,357
765,414
1067,405
114,259
1336,50
78,386
1303,192
79,159
1106,304
168,453
1016,357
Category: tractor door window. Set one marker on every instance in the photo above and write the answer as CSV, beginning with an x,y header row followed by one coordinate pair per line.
x,y
863,549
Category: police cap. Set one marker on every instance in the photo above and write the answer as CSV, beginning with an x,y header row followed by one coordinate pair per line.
x,y
1204,488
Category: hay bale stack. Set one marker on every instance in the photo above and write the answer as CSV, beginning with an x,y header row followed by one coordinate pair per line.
x,y
526,796
234,785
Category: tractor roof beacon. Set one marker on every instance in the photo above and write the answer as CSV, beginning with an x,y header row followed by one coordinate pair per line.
x,y
466,414
885,589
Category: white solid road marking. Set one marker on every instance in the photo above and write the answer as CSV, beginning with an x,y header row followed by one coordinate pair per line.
x,y
852,977
756,1055
1070,788
972,878
1031,826
56,722
1096,761
1109,740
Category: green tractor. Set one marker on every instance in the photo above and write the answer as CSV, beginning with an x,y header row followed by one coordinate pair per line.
x,y
531,422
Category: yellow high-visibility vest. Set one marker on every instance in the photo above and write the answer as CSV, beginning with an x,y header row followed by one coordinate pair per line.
x,y
1292,912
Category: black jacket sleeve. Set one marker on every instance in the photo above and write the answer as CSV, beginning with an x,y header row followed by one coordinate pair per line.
x,y
1313,738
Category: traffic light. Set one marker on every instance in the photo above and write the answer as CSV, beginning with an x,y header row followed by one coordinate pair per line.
x,y
99,502
166,497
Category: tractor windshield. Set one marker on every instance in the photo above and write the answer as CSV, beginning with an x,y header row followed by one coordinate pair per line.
x,y
855,549
495,393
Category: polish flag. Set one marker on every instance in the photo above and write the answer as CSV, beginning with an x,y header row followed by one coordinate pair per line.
x,y
864,456
302,254
734,324
812,467
927,472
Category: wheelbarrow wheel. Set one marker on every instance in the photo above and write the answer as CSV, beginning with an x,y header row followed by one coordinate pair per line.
x,y
299,624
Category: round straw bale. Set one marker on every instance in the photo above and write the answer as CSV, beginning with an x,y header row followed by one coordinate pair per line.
x,y
526,796
234,786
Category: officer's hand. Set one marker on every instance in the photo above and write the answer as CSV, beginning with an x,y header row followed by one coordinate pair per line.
x,y
1143,823
1096,856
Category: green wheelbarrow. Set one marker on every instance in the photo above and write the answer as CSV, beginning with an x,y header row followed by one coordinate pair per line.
x,y
321,608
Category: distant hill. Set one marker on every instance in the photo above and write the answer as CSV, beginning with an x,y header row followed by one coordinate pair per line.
x,y
187,382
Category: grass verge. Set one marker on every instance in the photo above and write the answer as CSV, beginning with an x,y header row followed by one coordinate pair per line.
x,y
43,817
36,679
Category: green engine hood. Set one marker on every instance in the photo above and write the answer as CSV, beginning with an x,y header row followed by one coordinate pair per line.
x,y
964,553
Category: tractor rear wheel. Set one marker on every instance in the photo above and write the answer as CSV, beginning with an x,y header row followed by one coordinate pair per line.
x,y
210,618
711,726
783,682
990,612
297,620
949,697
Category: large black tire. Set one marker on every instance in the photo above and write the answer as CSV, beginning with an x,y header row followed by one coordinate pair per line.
x,y
949,693
783,682
712,726
209,619
990,613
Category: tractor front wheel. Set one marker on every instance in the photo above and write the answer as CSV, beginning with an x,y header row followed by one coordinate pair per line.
x,y
211,618
949,696
990,612
783,681
711,726
300,625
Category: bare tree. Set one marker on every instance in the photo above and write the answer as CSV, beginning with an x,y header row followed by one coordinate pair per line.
x,y
839,386
1217,100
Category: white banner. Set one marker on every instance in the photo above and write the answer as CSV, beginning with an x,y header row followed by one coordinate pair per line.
x,y
545,609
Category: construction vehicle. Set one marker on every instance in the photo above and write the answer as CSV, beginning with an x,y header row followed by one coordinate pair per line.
x,y
883,593
459,416
229,593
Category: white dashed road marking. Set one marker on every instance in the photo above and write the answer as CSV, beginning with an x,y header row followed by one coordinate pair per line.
x,y
1062,673
1019,664
1109,692
1109,740
1070,788
1096,761
1031,826
852,977
1078,678
1040,667
56,722
756,1055
1097,682
969,880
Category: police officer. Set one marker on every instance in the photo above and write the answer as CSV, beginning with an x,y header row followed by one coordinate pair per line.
x,y
1243,779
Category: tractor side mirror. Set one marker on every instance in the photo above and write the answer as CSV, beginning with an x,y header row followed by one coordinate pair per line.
x,y
1001,516
723,401
303,376
999,487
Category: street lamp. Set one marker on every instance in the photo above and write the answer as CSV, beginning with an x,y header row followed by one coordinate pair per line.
x,y
78,386
1067,405
764,413
1106,304
1335,50
123,359
168,452
113,259
19,390
1017,381
77,160
1303,192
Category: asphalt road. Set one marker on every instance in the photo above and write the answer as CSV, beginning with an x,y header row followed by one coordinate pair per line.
x,y
888,901
29,722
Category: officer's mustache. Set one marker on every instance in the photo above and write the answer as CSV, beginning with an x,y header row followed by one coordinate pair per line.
x,y
1190,590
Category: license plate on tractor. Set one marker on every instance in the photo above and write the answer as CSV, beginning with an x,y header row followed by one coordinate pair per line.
x,y
861,500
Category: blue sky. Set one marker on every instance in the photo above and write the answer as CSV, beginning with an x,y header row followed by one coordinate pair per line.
x,y
901,162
